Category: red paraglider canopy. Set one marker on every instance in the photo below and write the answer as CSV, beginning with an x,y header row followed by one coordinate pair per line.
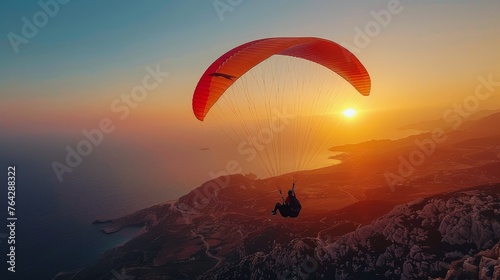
x,y
229,67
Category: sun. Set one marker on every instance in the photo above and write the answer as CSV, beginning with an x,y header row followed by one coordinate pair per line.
x,y
349,113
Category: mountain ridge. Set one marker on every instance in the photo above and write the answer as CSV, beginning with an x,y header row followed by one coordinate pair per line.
x,y
223,229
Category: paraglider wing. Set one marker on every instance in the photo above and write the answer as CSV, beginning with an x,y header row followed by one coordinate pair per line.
x,y
229,67
229,77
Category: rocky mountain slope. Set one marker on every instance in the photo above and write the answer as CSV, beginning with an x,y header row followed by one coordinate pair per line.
x,y
436,236
483,265
353,224
418,240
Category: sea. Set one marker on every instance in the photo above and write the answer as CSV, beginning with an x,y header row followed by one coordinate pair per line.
x,y
54,231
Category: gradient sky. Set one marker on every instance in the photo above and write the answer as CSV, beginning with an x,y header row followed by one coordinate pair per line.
x,y
64,79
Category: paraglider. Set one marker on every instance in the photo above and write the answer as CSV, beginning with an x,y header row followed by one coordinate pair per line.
x,y
291,205
253,124
241,59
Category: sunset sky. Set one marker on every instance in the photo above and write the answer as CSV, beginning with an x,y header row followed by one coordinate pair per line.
x,y
427,57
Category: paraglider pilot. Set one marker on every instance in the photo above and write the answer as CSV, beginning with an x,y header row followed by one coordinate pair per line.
x,y
291,205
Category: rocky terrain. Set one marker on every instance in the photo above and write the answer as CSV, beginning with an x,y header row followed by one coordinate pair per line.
x,y
447,234
440,221
421,239
483,265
